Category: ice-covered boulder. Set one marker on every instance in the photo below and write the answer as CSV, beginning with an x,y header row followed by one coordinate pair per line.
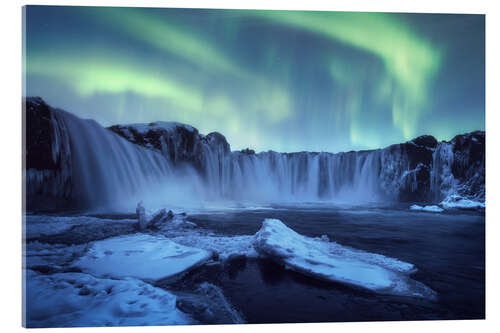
x,y
455,201
77,299
140,256
163,220
431,208
332,262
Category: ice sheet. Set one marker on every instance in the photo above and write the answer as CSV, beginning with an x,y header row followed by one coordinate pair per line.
x,y
141,256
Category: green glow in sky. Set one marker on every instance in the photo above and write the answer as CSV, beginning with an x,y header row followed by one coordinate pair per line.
x,y
280,80
114,76
409,59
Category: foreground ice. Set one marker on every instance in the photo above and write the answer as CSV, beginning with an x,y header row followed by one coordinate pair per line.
x,y
50,257
77,299
141,256
433,208
224,246
330,261
46,225
456,201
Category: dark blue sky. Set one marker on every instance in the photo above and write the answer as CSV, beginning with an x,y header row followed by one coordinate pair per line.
x,y
281,80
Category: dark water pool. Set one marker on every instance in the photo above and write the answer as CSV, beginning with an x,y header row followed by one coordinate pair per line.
x,y
448,250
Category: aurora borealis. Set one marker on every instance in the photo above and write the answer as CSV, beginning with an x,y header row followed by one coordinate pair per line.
x,y
280,80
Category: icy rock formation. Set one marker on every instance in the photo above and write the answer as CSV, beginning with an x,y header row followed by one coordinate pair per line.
x,y
208,305
431,208
332,262
179,143
141,256
158,219
77,299
455,201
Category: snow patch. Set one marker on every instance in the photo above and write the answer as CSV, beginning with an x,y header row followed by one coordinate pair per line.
x,y
333,262
77,299
432,208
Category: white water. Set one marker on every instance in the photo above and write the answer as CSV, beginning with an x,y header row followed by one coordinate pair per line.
x,y
110,172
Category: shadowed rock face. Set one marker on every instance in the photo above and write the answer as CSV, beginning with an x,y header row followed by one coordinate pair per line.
x,y
40,136
177,142
47,155
419,170
469,163
419,154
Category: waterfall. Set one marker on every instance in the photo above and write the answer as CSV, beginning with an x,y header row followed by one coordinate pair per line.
x,y
97,168
443,182
294,177
111,173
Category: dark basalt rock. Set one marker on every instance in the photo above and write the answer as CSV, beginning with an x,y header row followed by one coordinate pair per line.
x,y
47,157
39,135
181,144
248,151
426,141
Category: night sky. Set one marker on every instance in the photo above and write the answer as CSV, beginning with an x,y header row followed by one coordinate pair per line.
x,y
280,80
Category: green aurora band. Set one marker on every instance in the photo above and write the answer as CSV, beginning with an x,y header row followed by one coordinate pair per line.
x,y
281,80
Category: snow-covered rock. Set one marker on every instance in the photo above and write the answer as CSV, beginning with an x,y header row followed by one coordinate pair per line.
x,y
431,208
208,305
77,299
458,202
333,262
140,256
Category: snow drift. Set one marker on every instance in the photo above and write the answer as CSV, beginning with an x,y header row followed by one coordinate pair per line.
x,y
77,299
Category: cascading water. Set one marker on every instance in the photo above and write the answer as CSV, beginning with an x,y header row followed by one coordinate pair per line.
x,y
281,177
443,183
110,172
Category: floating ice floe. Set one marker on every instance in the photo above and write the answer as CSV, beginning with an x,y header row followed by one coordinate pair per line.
x,y
141,256
333,262
456,201
77,299
432,208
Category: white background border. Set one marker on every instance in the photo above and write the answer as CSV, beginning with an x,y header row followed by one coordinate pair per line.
x,y
10,138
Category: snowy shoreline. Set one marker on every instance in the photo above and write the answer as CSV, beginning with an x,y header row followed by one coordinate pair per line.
x,y
134,260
